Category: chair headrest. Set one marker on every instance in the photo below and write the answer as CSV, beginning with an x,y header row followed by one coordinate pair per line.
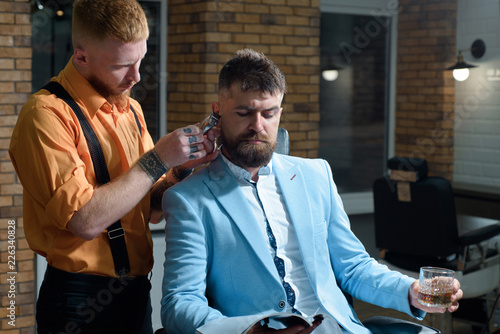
x,y
405,164
283,142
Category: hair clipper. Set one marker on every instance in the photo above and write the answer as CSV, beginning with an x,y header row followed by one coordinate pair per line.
x,y
209,122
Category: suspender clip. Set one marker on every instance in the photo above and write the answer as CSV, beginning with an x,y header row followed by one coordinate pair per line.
x,y
116,233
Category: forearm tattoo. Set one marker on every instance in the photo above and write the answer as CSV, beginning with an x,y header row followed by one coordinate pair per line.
x,y
176,174
152,165
157,194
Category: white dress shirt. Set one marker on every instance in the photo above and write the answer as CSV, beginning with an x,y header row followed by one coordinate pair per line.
x,y
266,201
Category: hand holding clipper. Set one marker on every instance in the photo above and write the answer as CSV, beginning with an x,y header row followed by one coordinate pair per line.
x,y
209,122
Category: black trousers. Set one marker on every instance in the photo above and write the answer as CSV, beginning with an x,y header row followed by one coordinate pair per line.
x,y
74,303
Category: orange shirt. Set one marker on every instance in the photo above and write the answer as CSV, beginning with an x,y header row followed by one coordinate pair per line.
x,y
51,158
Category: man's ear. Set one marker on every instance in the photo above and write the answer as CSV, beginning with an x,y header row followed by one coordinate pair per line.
x,y
216,107
80,58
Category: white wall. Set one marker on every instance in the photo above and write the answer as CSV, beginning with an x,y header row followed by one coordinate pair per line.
x,y
477,106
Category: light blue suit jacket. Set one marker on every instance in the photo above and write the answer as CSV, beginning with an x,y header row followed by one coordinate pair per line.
x,y
218,263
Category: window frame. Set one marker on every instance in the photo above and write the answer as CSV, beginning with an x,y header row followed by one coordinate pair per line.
x,y
362,202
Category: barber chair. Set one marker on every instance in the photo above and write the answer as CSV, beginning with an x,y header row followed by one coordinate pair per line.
x,y
416,225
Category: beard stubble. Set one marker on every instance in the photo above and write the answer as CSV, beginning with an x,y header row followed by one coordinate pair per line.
x,y
244,154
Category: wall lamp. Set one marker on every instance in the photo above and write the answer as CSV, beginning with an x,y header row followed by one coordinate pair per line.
x,y
461,68
56,5
331,71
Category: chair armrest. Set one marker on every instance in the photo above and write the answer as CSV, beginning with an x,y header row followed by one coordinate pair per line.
x,y
388,325
479,235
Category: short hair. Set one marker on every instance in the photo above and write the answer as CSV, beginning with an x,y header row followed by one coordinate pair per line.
x,y
97,20
253,71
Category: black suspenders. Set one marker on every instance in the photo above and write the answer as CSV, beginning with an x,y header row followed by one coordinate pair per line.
x,y
116,233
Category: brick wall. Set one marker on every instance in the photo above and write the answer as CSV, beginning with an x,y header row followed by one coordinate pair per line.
x,y
425,94
203,35
15,86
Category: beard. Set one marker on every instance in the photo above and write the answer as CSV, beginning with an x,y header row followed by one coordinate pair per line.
x,y
243,154
105,91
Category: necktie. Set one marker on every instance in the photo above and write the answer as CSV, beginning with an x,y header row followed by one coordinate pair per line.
x,y
278,262
280,266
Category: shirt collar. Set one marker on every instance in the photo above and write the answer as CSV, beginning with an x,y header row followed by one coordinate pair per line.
x,y
242,174
84,91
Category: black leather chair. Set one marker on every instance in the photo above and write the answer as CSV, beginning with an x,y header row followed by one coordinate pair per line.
x,y
416,225
384,325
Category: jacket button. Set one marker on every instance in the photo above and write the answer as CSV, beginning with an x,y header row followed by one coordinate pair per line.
x,y
281,304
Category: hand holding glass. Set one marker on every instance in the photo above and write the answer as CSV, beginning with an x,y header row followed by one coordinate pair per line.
x,y
435,287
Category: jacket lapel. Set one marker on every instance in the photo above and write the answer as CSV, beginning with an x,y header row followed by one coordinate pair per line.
x,y
295,193
226,191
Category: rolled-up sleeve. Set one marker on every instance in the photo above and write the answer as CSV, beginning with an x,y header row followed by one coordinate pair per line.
x,y
68,198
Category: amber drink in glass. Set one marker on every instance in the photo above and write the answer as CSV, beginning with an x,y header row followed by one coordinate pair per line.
x,y
436,286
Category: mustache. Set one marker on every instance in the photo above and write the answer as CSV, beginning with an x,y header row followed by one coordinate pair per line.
x,y
129,84
252,135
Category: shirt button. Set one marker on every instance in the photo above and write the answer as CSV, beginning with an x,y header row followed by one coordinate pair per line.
x,y
281,304
107,107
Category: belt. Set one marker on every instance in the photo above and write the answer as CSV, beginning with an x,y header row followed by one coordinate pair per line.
x,y
60,277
